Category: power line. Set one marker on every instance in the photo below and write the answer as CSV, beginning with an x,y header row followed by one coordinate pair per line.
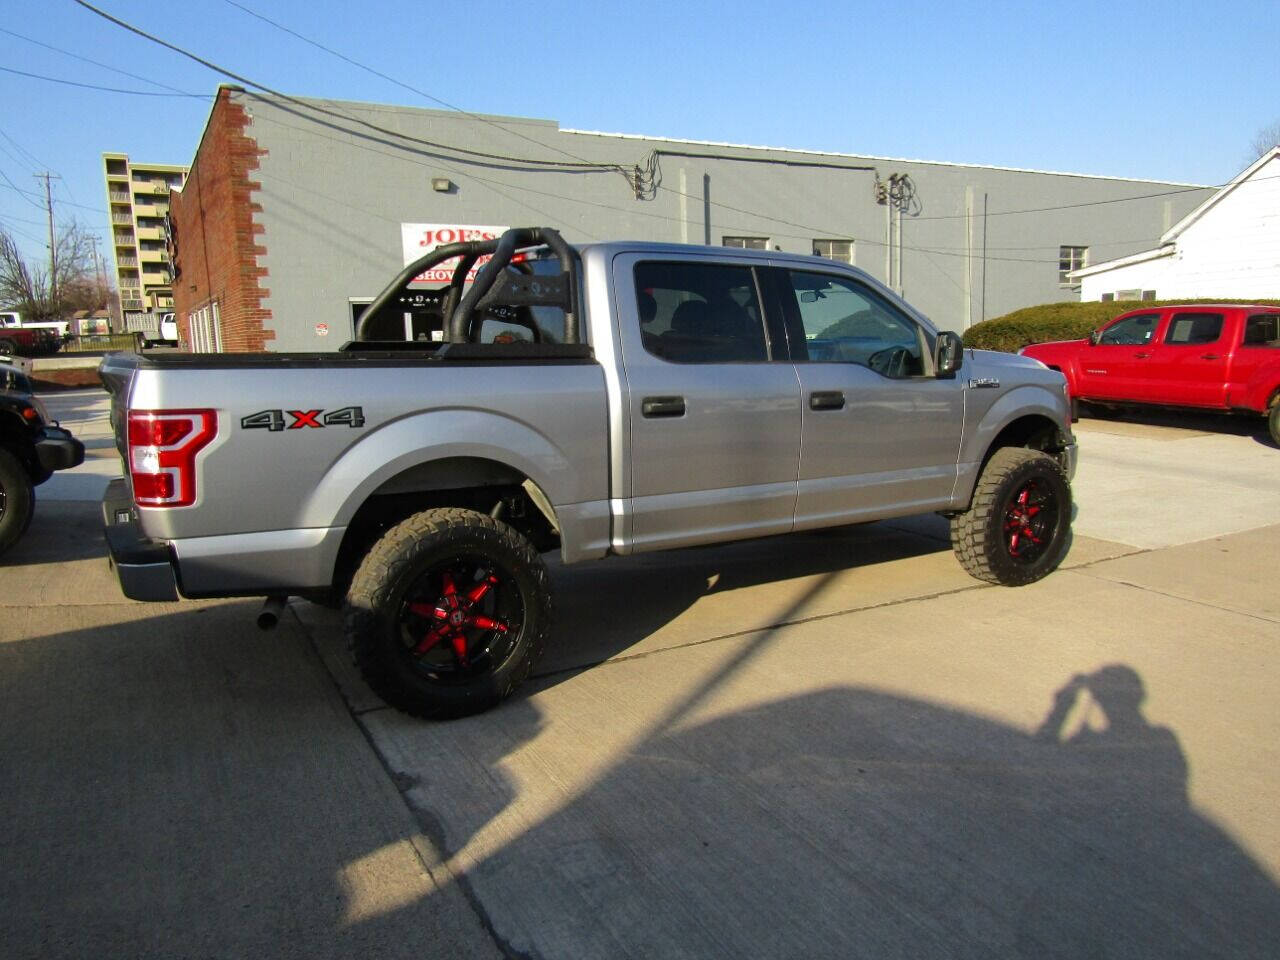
x,y
9,216
553,164
25,194
399,83
23,150
23,233
94,86
96,63
385,131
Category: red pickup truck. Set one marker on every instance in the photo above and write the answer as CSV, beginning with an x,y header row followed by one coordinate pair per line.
x,y
1207,356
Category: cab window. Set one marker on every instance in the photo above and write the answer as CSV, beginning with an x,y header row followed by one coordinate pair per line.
x,y
700,312
1131,331
845,322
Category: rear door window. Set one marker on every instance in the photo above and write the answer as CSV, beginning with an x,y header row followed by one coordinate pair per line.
x,y
700,312
1193,329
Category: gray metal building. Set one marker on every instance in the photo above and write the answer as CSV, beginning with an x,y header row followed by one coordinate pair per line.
x,y
337,191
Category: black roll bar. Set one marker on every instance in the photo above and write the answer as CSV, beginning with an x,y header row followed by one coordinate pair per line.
x,y
458,314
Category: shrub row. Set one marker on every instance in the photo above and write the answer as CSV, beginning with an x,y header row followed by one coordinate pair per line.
x,y
1060,321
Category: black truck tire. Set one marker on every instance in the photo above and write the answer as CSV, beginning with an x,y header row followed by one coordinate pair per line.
x,y
6,347
17,499
447,613
1018,527
1273,421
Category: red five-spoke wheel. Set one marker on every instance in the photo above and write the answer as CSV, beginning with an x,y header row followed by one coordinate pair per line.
x,y
1018,525
448,612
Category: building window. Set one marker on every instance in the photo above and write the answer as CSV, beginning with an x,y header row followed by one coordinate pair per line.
x,y
746,243
841,250
1071,258
1107,298
1148,294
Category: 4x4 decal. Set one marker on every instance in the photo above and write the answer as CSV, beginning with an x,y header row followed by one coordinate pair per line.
x,y
274,420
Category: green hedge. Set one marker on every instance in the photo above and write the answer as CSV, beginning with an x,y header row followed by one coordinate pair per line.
x,y
1060,321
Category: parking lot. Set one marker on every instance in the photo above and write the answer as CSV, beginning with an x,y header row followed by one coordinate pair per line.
x,y
828,745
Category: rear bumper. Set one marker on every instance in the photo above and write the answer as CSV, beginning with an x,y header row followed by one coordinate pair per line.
x,y
144,567
56,449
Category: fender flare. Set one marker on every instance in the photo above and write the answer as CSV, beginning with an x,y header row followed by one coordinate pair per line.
x,y
419,439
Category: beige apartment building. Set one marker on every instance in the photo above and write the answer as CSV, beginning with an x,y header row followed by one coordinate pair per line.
x,y
138,201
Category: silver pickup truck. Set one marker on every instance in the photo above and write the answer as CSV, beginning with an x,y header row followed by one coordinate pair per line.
x,y
609,399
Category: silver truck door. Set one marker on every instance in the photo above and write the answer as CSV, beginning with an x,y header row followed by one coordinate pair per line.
x,y
714,421
881,434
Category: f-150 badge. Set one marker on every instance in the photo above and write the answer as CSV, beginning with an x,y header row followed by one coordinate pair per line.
x,y
980,383
274,420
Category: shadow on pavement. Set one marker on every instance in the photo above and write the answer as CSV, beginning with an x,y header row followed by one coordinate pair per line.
x,y
854,823
60,531
1241,425
182,785
606,608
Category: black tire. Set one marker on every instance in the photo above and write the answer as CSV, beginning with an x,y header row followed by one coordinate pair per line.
x,y
448,613
1018,527
1273,421
6,348
17,500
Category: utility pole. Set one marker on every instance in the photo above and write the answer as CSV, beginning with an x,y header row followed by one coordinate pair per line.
x,y
53,247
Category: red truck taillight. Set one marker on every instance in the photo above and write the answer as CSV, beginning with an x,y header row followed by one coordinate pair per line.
x,y
162,454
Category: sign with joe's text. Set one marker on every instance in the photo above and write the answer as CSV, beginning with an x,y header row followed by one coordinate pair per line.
x,y
420,239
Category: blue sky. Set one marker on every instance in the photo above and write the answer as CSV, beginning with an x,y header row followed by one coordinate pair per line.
x,y
1164,91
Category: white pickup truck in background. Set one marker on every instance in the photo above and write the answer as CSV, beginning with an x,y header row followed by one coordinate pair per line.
x,y
154,329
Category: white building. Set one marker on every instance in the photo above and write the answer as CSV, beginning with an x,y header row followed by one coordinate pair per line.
x,y
1228,247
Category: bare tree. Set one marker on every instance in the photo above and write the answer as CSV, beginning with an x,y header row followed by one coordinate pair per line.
x,y
1267,137
27,286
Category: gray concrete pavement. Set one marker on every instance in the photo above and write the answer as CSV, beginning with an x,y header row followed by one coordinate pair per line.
x,y
832,745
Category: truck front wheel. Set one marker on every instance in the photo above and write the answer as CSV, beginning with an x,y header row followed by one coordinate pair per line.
x,y
17,500
1018,527
447,613
1273,421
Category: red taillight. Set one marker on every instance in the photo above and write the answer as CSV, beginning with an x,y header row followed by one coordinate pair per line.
x,y
162,454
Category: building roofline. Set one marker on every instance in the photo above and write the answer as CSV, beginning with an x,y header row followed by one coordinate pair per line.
x,y
1181,226
230,88
863,156
1164,251
499,119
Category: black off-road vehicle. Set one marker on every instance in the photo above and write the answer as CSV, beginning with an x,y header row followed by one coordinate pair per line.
x,y
31,449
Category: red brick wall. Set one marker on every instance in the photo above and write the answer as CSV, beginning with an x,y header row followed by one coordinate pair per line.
x,y
218,243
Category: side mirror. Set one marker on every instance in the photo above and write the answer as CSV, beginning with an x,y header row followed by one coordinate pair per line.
x,y
1095,337
948,354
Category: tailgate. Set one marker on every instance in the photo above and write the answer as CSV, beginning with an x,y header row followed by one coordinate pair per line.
x,y
117,371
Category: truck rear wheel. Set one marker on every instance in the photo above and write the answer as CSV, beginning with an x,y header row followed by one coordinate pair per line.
x,y
1273,421
17,500
447,613
1017,529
